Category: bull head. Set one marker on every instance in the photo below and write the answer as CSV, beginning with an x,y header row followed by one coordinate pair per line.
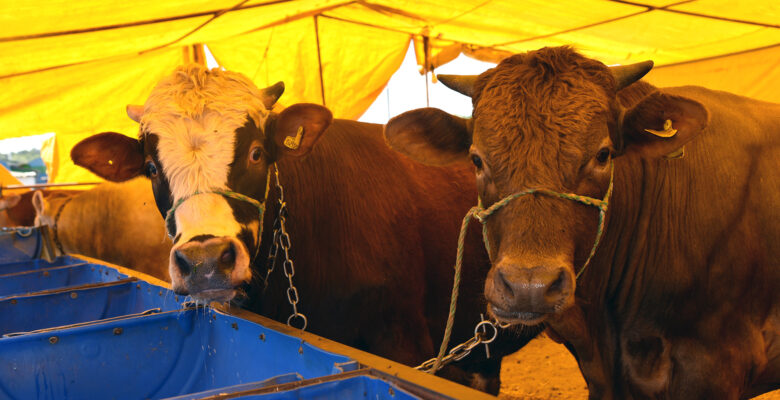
x,y
209,169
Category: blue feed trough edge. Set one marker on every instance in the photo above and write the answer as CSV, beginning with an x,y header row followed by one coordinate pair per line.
x,y
78,327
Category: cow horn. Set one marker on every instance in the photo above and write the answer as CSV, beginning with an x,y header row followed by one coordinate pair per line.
x,y
135,112
627,74
272,93
463,84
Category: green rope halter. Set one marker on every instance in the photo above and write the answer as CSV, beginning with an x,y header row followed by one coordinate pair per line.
x,y
226,193
481,214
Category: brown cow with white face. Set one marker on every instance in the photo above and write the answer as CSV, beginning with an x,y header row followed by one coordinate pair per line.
x,y
681,298
373,233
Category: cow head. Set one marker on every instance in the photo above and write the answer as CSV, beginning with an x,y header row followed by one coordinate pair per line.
x,y
550,120
7,202
205,131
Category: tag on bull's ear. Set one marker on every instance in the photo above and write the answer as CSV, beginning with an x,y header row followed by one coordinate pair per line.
x,y
298,128
666,133
293,143
679,153
660,124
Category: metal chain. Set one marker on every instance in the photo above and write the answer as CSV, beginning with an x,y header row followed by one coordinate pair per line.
x,y
281,239
462,350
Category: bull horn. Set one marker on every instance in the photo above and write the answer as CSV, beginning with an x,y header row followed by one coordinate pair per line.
x,y
135,112
627,74
463,84
272,93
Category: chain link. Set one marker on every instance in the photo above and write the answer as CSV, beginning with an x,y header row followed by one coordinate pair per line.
x,y
462,350
281,240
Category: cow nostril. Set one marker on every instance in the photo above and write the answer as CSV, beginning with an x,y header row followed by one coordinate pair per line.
x,y
228,256
182,262
507,288
559,285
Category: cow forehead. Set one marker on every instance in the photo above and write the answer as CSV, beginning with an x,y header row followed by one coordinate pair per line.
x,y
195,113
546,133
193,90
538,115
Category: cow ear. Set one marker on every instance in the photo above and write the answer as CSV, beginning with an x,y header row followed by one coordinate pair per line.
x,y
112,156
9,201
430,136
298,128
39,204
135,112
661,124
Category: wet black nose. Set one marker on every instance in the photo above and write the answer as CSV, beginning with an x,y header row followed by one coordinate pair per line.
x,y
216,255
538,289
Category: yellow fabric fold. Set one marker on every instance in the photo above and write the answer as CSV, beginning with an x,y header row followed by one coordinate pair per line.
x,y
70,66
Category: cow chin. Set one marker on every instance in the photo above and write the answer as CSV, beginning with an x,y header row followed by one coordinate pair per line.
x,y
516,317
214,295
210,270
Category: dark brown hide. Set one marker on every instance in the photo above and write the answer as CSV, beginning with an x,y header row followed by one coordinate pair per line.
x,y
374,237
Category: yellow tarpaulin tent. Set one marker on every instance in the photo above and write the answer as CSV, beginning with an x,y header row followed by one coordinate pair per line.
x,y
70,67
6,179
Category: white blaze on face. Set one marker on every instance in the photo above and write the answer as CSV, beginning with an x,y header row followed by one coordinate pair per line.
x,y
195,114
196,158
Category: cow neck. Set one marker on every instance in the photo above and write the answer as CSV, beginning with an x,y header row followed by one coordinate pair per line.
x,y
619,271
623,231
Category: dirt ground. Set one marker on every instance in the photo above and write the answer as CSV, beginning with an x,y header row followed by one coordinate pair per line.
x,y
545,370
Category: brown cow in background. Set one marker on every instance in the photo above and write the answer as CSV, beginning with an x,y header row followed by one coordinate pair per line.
x,y
682,297
115,222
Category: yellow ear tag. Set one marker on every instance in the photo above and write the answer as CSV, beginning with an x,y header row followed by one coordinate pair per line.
x,y
293,143
667,132
679,153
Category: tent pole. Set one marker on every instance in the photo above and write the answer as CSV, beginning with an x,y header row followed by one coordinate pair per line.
x,y
194,54
319,58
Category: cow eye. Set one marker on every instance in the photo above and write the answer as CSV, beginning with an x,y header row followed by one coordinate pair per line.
x,y
255,154
151,169
603,155
477,161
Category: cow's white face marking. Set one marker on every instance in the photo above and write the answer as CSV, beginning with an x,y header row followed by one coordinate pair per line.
x,y
195,113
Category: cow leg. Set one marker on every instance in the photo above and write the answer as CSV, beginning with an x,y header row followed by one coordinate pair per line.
x,y
706,372
483,376
404,337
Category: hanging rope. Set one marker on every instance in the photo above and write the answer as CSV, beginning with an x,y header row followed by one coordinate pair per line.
x,y
481,214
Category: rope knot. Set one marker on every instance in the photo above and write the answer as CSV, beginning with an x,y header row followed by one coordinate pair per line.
x,y
479,214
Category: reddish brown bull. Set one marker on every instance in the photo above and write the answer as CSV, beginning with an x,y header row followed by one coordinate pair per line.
x,y
373,232
681,297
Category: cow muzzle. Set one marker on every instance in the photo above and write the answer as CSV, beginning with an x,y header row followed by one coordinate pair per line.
x,y
210,269
528,295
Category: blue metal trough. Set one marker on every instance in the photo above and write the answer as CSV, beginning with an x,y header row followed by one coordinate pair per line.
x,y
77,328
